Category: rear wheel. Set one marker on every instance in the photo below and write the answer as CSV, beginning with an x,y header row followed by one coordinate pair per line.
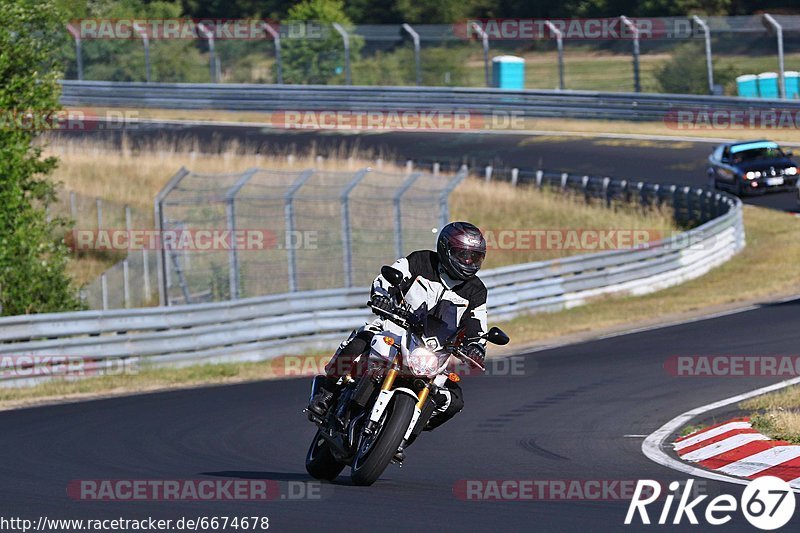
x,y
376,451
320,462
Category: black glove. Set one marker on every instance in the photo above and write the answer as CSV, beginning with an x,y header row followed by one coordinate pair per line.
x,y
383,303
476,354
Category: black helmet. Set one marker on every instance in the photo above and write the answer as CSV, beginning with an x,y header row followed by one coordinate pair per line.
x,y
461,249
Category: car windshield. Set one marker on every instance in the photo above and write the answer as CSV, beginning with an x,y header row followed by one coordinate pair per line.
x,y
758,153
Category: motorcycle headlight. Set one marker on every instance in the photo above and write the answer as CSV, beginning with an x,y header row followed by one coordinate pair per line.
x,y
790,171
752,175
422,361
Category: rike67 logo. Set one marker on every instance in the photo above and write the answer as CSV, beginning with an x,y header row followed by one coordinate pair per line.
x,y
767,503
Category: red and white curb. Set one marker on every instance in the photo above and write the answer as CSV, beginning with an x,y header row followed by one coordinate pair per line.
x,y
736,449
656,445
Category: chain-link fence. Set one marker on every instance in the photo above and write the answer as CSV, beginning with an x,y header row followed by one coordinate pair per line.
x,y
617,54
229,236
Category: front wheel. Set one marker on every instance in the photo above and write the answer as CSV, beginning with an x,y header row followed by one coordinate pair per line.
x,y
377,451
320,462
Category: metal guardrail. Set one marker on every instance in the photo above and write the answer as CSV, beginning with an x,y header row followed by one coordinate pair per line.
x,y
264,327
528,103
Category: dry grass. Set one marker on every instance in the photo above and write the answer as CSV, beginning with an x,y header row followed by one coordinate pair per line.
x,y
134,177
787,398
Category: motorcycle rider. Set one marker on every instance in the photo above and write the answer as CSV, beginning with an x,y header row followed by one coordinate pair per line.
x,y
446,282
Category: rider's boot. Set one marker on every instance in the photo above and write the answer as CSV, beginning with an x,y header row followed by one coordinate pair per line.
x,y
323,390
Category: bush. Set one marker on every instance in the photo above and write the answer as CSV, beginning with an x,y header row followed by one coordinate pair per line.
x,y
686,72
32,260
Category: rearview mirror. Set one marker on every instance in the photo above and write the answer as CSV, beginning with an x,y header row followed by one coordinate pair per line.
x,y
788,153
496,336
392,275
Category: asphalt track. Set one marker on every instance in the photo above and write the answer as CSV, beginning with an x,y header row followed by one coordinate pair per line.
x,y
565,418
672,162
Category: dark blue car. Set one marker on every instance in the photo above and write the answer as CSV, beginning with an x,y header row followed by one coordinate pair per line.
x,y
751,167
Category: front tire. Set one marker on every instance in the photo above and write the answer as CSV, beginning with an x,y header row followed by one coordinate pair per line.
x,y
320,462
370,463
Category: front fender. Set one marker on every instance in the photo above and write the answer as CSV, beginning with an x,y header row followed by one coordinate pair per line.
x,y
382,401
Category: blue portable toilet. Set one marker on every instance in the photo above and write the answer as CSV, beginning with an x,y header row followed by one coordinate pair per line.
x,y
508,72
791,82
747,85
768,85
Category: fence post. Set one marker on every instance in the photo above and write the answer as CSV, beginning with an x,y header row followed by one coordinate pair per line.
x,y
539,176
514,176
415,37
436,168
126,284
564,178
99,205
344,198
560,45
346,40
230,215
487,173
146,44
73,208
146,275
637,86
104,290
409,166
485,41
709,66
162,266
444,212
288,216
772,23
276,37
78,49
212,62
398,218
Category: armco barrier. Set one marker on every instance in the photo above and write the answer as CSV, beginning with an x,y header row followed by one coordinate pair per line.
x,y
530,103
264,327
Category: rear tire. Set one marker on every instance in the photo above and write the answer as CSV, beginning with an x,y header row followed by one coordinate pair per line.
x,y
370,464
320,462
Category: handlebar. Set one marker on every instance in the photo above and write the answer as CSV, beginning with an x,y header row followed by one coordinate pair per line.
x,y
403,318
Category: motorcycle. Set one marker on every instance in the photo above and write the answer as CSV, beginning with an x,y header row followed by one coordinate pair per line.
x,y
386,400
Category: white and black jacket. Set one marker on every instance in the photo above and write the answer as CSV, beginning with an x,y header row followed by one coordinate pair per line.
x,y
425,282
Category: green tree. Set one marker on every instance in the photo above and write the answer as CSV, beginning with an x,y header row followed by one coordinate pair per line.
x,y
32,260
318,58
